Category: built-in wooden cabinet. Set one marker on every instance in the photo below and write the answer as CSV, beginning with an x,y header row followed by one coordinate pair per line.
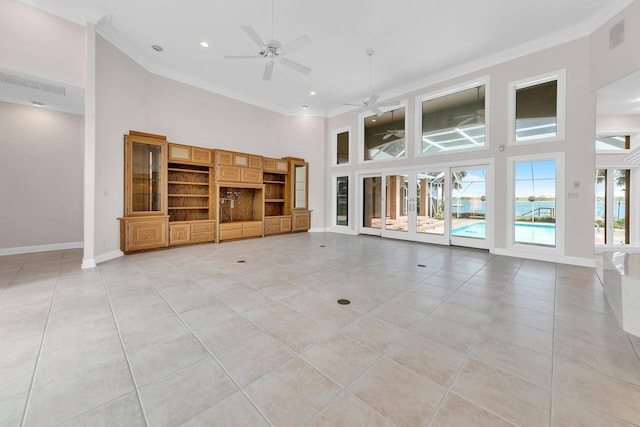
x,y
179,194
188,154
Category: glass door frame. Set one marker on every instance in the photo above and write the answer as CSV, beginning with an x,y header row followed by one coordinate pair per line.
x,y
633,210
446,238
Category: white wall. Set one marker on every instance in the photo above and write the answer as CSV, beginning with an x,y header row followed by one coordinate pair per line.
x,y
130,98
41,176
36,43
578,145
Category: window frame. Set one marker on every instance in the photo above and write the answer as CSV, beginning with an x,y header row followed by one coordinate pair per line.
x,y
362,116
610,133
348,229
334,147
524,248
470,84
560,76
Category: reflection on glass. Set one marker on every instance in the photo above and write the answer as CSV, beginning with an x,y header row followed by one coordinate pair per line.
x,y
371,205
300,182
613,143
396,209
535,202
601,207
342,200
384,136
468,203
342,148
146,171
536,111
454,122
430,202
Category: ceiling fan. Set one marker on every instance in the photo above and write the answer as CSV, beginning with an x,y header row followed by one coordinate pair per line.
x,y
273,51
474,116
398,133
371,103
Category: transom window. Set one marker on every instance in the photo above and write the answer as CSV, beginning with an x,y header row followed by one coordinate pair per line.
x,y
454,121
384,135
613,143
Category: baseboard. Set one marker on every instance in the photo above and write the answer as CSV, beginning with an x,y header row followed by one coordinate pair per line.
x,y
108,256
342,230
317,230
582,262
41,248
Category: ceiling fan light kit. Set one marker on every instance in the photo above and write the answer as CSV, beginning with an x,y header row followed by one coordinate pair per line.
x,y
273,51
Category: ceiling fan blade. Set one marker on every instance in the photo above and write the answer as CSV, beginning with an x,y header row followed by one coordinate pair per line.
x,y
372,99
387,136
389,104
295,66
253,35
353,105
242,56
296,44
376,110
268,70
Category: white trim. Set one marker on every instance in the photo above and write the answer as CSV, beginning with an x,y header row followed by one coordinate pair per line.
x,y
334,147
108,256
40,248
401,104
524,248
88,263
333,206
318,230
480,81
561,102
89,177
583,262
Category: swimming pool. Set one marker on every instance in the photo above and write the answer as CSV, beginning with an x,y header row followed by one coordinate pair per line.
x,y
540,234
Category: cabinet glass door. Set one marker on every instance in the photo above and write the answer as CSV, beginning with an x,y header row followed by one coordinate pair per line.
x,y
146,177
300,187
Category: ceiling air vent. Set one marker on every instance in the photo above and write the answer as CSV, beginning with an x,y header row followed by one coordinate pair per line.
x,y
616,35
31,84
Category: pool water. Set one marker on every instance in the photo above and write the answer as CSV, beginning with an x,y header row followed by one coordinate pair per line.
x,y
540,234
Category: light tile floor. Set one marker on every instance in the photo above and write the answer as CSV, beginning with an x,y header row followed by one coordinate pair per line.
x,y
192,336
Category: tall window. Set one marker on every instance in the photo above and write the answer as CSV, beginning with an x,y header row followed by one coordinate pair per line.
x,y
342,200
537,108
384,136
455,121
612,210
535,202
342,147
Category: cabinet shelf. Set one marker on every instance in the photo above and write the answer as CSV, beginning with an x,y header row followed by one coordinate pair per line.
x,y
188,183
274,182
187,170
274,200
189,195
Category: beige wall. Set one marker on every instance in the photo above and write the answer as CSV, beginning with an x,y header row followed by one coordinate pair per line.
x,y
578,145
130,98
40,44
609,65
41,176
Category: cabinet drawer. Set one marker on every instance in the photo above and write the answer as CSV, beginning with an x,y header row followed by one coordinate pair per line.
x,y
255,162
252,229
179,234
203,237
224,158
209,227
201,156
251,175
232,230
228,173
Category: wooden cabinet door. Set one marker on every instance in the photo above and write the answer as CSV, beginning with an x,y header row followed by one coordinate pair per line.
x,y
251,175
224,158
240,159
148,234
301,220
201,156
255,162
252,229
228,173
178,153
282,166
179,234
269,164
285,224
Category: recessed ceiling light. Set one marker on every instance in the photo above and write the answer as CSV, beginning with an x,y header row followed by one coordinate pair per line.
x,y
157,47
37,103
313,92
374,120
204,44
305,107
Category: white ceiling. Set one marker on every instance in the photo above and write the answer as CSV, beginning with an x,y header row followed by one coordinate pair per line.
x,y
416,41
621,97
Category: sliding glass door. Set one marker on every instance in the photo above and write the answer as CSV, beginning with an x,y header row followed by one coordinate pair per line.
x,y
612,209
372,214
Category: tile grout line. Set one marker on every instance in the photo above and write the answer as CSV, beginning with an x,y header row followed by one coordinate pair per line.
x,y
124,350
241,389
44,333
